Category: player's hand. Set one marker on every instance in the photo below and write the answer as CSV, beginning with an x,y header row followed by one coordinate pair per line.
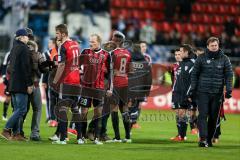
x,y
190,99
109,93
44,85
30,89
228,94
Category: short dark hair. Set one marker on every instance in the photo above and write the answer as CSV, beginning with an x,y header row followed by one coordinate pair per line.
x,y
120,37
136,48
212,39
62,28
186,47
142,42
54,40
176,50
199,49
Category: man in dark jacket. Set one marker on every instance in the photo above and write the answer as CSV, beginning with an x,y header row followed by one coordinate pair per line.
x,y
20,84
212,71
180,89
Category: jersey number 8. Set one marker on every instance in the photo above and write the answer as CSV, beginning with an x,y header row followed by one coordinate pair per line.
x,y
123,65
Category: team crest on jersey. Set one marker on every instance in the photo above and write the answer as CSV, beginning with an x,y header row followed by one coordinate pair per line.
x,y
208,61
102,57
186,68
178,71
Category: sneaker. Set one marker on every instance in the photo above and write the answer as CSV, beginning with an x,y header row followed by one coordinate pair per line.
x,y
80,141
210,144
53,123
19,137
114,140
194,131
54,138
104,138
35,138
72,131
90,135
97,142
136,126
4,118
59,142
127,140
202,144
6,134
178,139
174,137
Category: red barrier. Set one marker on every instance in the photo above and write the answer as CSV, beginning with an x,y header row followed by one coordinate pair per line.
x,y
161,96
163,102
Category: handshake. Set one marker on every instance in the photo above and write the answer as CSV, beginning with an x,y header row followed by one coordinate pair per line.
x,y
228,94
47,64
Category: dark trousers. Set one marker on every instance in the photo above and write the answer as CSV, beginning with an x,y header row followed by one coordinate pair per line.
x,y
53,100
48,114
209,108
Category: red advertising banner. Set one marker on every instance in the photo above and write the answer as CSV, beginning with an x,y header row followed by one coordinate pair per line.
x,y
163,102
161,96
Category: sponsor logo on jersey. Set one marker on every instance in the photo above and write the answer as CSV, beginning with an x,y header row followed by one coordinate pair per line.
x,y
93,60
138,65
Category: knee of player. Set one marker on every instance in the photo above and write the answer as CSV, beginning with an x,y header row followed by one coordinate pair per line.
x,y
183,118
182,114
75,110
126,117
83,116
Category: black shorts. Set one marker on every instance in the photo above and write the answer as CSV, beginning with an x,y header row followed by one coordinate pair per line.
x,y
71,101
87,102
120,95
179,106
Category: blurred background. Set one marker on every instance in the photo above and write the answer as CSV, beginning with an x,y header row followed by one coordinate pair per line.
x,y
164,24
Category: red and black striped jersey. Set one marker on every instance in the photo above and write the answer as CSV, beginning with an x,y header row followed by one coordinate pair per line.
x,y
121,59
94,65
69,54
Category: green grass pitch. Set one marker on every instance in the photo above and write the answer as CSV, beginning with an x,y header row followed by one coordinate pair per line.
x,y
149,142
